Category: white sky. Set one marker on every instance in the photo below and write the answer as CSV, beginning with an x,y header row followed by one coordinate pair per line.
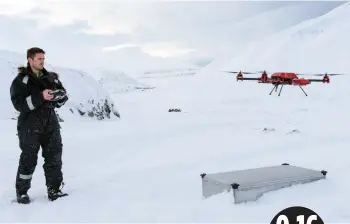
x,y
130,34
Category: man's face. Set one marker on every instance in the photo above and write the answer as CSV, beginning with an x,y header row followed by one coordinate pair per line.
x,y
38,61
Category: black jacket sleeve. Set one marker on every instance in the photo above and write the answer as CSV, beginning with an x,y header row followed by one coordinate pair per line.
x,y
21,100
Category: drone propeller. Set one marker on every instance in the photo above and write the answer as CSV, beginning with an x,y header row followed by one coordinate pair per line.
x,y
240,72
262,71
318,74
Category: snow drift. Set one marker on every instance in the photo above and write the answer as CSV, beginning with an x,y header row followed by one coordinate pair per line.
x,y
87,98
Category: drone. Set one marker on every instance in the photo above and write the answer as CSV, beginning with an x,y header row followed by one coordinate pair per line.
x,y
284,78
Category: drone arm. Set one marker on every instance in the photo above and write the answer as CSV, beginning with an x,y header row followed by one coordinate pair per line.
x,y
251,79
315,80
241,78
324,80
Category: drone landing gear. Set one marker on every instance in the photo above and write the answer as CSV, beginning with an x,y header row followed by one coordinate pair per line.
x,y
303,90
275,87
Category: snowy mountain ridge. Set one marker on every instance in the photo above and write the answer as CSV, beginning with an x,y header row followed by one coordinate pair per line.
x,y
308,47
169,73
116,81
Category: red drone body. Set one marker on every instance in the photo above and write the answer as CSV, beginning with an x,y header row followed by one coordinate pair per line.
x,y
284,78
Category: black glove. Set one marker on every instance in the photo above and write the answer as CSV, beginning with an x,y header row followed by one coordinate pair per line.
x,y
57,94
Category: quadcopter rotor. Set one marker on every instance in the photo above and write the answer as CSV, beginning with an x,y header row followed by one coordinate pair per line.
x,y
240,72
319,74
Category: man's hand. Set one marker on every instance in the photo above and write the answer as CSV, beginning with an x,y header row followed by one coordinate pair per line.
x,y
47,95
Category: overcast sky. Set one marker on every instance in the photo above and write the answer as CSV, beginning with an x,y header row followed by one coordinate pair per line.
x,y
130,34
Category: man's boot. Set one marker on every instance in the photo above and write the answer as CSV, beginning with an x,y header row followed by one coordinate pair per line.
x,y
54,193
23,198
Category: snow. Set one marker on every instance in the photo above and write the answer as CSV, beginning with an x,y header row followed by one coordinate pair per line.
x,y
146,166
254,28
168,73
116,81
317,45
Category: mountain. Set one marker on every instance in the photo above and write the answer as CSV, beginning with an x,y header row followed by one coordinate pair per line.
x,y
87,98
244,33
317,45
116,81
168,73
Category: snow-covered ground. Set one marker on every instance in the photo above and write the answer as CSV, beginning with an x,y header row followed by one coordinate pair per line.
x,y
146,166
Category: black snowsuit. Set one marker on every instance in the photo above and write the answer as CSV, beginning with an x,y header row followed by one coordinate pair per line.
x,y
37,126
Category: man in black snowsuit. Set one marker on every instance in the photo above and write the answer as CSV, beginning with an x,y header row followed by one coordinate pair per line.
x,y
32,95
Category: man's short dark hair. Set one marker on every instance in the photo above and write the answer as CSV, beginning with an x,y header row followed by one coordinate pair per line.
x,y
31,52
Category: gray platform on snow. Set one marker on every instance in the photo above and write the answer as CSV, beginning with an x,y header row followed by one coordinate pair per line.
x,y
251,184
